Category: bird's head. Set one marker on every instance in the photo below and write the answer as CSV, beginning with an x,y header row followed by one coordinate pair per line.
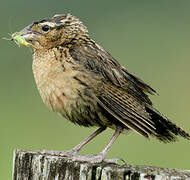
x,y
49,33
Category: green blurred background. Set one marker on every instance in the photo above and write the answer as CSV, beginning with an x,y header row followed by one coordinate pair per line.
x,y
150,37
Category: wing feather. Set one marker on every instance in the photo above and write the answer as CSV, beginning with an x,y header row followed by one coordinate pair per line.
x,y
121,94
96,59
131,114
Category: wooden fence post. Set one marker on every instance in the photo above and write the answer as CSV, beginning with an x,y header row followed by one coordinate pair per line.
x,y
30,165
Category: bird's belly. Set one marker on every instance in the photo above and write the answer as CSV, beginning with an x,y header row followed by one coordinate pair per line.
x,y
57,95
63,95
72,107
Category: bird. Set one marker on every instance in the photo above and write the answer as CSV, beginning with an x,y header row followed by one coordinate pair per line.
x,y
82,82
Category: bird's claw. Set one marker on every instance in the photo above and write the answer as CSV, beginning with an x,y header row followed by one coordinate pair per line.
x,y
68,153
115,161
96,159
88,158
74,156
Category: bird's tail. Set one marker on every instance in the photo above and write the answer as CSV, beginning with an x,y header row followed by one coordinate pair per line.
x,y
166,130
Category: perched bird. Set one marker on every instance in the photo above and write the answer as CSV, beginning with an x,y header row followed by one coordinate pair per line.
x,y
78,79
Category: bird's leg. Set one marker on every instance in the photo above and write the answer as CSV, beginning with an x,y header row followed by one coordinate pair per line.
x,y
78,147
100,157
112,140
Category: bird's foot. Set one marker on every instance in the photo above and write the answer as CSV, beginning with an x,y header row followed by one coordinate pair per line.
x,y
68,153
95,159
115,161
87,158
74,156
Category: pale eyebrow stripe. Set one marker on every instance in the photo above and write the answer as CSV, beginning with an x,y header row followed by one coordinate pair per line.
x,y
51,24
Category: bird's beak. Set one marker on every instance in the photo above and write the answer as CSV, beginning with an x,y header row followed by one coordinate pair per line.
x,y
25,37
26,33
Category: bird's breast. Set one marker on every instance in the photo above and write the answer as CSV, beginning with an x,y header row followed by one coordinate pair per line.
x,y
57,87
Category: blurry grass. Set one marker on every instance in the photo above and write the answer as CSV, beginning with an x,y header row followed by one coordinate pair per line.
x,y
150,38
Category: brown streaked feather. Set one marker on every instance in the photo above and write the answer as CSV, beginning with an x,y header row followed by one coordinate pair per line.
x,y
145,87
94,58
166,129
119,118
130,113
80,80
123,95
122,106
144,119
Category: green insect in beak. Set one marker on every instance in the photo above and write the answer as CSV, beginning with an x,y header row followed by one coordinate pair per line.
x,y
18,39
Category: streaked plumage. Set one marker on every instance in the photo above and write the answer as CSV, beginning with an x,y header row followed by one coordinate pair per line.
x,y
80,80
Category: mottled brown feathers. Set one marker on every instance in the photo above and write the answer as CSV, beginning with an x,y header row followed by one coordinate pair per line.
x,y
80,80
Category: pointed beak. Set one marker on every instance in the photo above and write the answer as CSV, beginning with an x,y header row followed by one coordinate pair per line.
x,y
27,34
25,37
25,30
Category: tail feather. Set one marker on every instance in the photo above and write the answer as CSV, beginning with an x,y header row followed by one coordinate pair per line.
x,y
166,130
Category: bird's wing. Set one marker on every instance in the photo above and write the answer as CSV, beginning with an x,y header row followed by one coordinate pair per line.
x,y
96,59
125,108
122,94
122,106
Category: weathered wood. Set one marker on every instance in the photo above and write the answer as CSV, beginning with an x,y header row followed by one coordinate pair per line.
x,y
30,165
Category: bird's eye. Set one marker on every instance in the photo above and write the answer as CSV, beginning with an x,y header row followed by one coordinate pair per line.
x,y
45,28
